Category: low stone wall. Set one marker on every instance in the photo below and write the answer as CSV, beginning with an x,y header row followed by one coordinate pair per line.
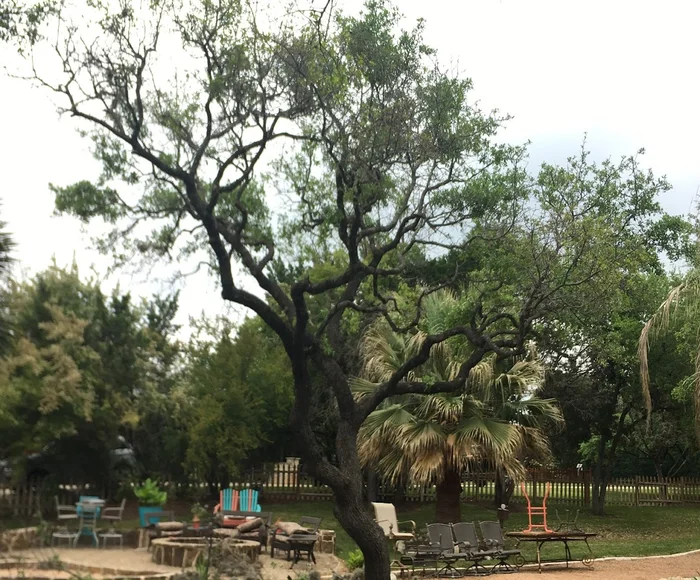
x,y
184,552
19,539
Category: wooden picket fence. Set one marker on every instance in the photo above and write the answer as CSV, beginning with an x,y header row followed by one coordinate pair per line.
x,y
290,483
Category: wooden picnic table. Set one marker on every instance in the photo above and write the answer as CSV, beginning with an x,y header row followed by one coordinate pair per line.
x,y
541,538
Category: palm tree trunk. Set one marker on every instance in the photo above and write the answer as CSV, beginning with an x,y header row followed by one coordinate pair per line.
x,y
448,509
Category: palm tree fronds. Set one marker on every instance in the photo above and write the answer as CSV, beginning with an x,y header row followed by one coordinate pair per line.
x,y
361,387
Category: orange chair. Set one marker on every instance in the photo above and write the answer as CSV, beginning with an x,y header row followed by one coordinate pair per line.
x,y
537,510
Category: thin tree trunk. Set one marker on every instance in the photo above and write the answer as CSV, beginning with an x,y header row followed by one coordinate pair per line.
x,y
448,509
504,488
660,478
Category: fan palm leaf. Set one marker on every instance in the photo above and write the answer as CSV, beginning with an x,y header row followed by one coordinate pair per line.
x,y
422,437
683,300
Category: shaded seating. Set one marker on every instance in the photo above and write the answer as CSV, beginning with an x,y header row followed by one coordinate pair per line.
x,y
65,514
248,501
310,524
493,540
282,532
385,516
440,536
257,531
113,515
468,543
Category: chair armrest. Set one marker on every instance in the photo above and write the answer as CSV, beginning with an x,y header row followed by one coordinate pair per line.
x,y
111,510
413,525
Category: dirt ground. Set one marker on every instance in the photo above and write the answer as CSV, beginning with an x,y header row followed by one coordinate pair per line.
x,y
653,568
139,562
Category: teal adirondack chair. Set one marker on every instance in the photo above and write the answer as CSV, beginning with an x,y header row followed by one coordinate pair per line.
x,y
249,501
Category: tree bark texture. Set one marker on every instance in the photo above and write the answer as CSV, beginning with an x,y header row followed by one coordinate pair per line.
x,y
448,509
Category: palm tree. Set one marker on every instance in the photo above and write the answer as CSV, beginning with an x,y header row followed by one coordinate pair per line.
x,y
435,438
682,302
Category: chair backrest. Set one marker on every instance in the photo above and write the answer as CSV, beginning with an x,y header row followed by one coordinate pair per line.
x,y
385,516
491,532
441,535
122,506
229,499
311,524
248,501
465,534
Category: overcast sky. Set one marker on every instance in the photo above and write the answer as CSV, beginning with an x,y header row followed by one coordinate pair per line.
x,y
624,72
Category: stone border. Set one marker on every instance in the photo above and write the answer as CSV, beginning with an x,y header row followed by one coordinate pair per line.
x,y
183,552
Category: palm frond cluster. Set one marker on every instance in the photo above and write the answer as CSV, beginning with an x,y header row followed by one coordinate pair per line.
x,y
419,438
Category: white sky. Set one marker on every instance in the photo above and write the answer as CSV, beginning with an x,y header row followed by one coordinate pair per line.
x,y
624,72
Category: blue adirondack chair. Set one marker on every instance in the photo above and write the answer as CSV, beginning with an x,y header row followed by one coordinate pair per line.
x,y
249,501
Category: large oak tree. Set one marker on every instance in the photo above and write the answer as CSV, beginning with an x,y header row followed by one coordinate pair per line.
x,y
377,159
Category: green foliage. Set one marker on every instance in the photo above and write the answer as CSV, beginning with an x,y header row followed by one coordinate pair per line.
x,y
240,396
355,559
149,494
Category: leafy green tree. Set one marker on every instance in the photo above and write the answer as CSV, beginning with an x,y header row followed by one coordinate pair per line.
x,y
240,392
681,306
386,161
6,247
78,375
595,371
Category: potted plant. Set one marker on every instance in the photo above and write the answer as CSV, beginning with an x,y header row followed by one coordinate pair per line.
x,y
198,512
151,499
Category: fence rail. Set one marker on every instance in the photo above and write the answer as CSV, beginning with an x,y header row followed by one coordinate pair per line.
x,y
285,482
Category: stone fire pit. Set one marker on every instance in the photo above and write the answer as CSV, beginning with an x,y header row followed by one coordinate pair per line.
x,y
184,552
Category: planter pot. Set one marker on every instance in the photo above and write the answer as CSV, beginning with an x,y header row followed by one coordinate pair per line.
x,y
143,510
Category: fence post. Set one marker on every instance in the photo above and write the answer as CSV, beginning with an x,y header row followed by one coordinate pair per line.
x,y
682,494
636,490
587,488
298,483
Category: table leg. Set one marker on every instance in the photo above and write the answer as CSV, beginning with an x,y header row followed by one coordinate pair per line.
x,y
567,552
588,561
539,560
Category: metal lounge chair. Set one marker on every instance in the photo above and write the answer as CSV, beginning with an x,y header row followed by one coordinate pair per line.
x,y
493,540
440,536
468,542
311,524
385,516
